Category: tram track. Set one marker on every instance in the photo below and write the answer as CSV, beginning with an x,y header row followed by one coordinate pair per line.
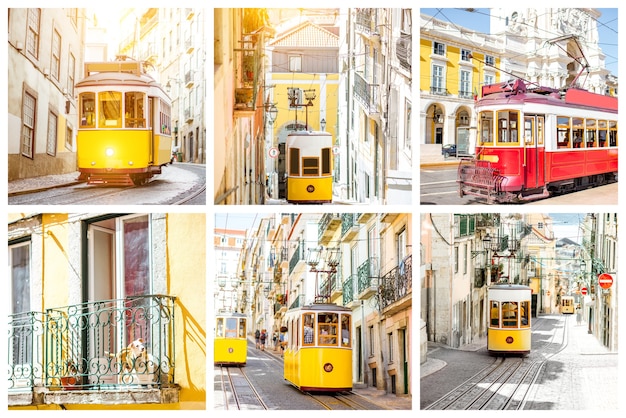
x,y
507,382
238,391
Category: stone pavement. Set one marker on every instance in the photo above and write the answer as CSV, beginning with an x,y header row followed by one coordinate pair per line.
x,y
42,182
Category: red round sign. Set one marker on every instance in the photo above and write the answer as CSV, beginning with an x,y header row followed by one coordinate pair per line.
x,y
605,280
583,290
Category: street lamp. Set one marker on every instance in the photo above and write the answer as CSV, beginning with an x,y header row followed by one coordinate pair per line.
x,y
329,259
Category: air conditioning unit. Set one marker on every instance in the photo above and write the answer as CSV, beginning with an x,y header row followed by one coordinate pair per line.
x,y
19,45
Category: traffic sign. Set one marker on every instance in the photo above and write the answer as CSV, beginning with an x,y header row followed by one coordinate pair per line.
x,y
605,280
583,290
336,149
273,152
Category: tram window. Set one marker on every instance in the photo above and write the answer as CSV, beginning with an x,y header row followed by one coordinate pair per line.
x,y
326,155
508,126
110,105
310,166
87,110
539,130
528,131
525,313
486,127
242,328
345,331
165,118
308,332
327,324
231,327
495,314
577,132
602,133
509,315
590,136
294,161
133,108
563,132
612,133
220,327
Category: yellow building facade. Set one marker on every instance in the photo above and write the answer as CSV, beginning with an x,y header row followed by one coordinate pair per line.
x,y
84,286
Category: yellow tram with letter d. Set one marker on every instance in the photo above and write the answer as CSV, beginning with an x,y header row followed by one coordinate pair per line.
x,y
309,167
318,355
509,327
230,346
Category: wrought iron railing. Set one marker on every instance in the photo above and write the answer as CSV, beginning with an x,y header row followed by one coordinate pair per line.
x,y
348,289
368,274
348,220
86,346
397,283
296,256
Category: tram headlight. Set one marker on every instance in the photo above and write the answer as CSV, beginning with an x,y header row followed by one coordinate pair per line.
x,y
109,152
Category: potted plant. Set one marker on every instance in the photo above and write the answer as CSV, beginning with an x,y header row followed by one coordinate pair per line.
x,y
70,378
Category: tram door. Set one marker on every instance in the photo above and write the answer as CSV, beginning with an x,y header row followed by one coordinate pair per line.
x,y
534,157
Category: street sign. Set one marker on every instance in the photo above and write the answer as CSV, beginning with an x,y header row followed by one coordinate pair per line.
x,y
273,152
336,150
583,290
605,280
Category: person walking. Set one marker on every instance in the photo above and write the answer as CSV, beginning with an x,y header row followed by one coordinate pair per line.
x,y
263,337
257,338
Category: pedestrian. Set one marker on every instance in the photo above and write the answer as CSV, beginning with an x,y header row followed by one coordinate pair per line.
x,y
263,337
275,340
578,315
283,343
257,338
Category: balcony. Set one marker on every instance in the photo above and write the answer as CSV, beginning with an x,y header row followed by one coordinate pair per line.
x,y
365,217
70,354
349,226
298,258
348,292
396,287
389,217
188,114
366,94
368,274
328,225
189,81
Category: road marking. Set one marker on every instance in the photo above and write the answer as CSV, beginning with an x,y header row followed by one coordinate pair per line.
x,y
438,182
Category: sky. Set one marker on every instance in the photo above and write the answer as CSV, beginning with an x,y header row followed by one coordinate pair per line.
x,y
565,225
240,221
478,20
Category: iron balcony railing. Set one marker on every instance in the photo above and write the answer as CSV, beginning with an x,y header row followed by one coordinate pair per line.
x,y
397,283
348,289
86,346
368,274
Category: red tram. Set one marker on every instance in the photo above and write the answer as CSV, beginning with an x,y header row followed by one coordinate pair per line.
x,y
535,142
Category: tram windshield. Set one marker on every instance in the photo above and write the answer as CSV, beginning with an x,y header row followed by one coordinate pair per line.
x,y
231,328
110,105
510,314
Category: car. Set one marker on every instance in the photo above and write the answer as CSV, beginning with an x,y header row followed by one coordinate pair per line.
x,y
448,150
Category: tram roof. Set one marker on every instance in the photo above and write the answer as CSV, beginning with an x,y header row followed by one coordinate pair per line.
x,y
230,314
321,307
309,133
518,92
508,286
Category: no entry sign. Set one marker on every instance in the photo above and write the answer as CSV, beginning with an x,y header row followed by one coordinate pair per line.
x,y
605,280
583,290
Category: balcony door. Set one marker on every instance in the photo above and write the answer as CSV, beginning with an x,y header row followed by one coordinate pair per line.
x,y
118,270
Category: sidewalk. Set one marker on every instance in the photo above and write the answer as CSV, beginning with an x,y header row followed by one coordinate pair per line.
x,y
16,187
380,397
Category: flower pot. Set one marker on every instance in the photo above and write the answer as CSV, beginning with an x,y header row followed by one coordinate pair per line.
x,y
70,382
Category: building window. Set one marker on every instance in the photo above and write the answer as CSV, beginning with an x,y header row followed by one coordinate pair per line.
x,y
295,63
32,37
489,60
69,138
456,259
407,125
466,55
438,81
489,79
465,84
390,344
21,338
55,63
28,124
51,144
439,48
71,71
371,339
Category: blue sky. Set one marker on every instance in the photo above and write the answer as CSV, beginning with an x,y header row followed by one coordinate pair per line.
x,y
478,20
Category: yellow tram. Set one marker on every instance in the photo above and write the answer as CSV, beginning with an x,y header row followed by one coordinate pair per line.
x,y
309,167
124,130
230,345
318,355
567,304
509,329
